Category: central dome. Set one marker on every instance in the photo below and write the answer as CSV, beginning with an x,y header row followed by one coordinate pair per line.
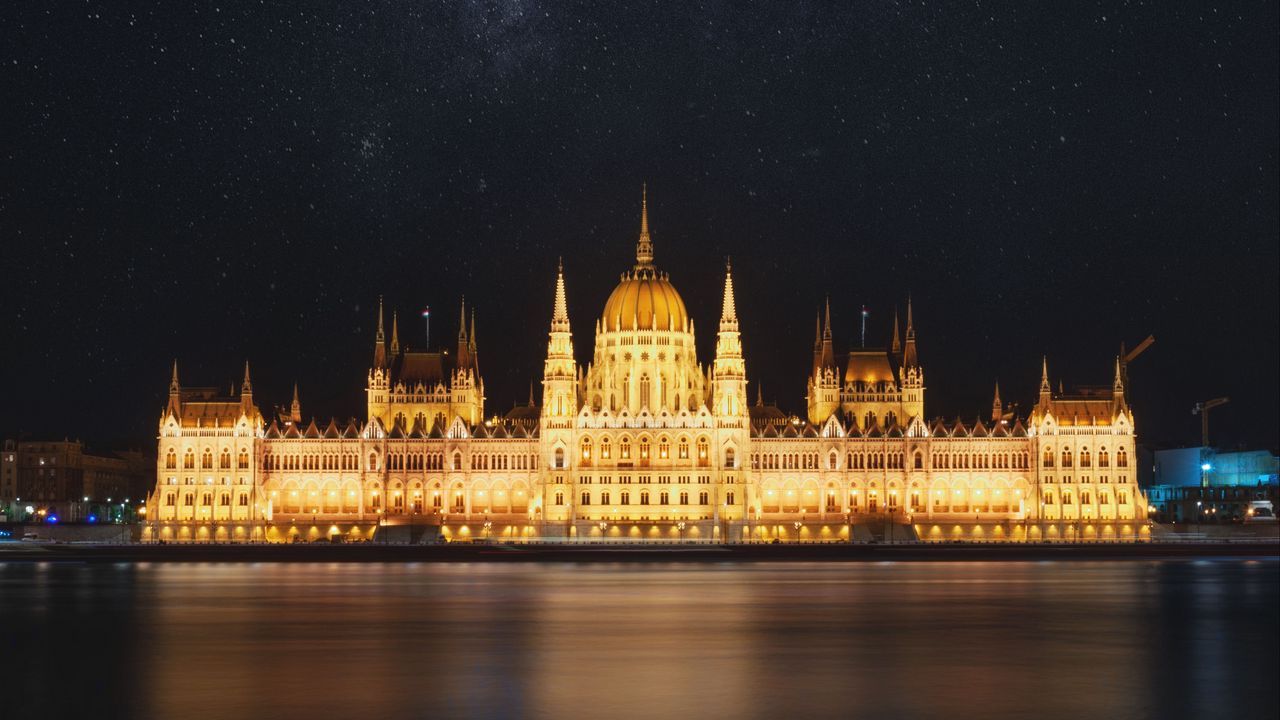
x,y
644,300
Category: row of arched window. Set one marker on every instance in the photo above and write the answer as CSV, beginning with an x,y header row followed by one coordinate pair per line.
x,y
981,461
784,461
206,459
664,498
310,461
605,450
1086,460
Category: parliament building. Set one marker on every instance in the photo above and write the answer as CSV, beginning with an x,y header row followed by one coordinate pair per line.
x,y
646,443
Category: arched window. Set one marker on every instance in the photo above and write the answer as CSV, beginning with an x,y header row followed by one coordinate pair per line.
x,y
644,390
644,448
606,451
1085,460
1122,458
586,448
729,458
919,461
559,459
1066,459
224,460
171,459
684,449
373,461
831,460
664,448
189,459
206,459
624,449
703,450
1104,460
1048,457
457,460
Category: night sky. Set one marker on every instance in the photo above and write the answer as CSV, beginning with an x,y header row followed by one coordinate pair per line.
x,y
221,182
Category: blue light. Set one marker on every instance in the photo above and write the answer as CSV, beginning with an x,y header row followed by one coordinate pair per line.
x,y
1206,467
92,518
53,520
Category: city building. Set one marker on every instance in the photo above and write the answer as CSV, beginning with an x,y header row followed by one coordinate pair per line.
x,y
61,482
1202,485
646,442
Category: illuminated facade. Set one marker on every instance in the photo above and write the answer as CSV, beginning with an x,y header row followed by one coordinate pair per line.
x,y
646,443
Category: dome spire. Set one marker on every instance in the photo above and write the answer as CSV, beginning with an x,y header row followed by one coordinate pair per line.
x,y
644,247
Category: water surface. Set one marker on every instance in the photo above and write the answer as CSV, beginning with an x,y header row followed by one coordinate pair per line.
x,y
1157,639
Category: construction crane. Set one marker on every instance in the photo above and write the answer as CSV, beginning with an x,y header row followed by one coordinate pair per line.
x,y
1202,409
1129,356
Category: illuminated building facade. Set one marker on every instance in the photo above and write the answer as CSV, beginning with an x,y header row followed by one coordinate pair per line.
x,y
646,443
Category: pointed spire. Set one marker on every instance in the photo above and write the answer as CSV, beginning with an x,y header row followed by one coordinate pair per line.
x,y
1044,375
909,353
380,341
381,334
728,311
560,315
530,394
817,332
997,408
246,386
759,395
395,333
471,334
1118,383
644,246
295,407
896,347
174,387
826,327
462,320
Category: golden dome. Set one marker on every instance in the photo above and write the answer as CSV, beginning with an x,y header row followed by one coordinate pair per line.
x,y
644,300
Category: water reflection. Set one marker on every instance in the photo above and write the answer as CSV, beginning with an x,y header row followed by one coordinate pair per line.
x,y
993,640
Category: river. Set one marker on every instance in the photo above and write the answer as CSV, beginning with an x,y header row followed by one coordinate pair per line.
x,y
1056,639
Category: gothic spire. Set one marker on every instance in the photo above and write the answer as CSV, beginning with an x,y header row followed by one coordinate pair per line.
x,y
644,247
1044,375
381,334
174,387
462,320
295,407
728,312
246,386
560,315
997,408
909,354
896,348
395,333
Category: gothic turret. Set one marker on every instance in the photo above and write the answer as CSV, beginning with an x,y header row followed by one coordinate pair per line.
x,y
559,371
729,375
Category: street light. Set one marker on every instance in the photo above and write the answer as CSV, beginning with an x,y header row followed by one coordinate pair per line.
x,y
798,525
680,527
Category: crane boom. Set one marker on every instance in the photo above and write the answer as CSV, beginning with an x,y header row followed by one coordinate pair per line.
x,y
1202,409
1142,346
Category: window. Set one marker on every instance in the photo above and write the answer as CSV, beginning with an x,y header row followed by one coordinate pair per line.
x,y
171,460
224,460
1122,458
244,499
919,461
604,498
684,449
664,448
559,458
559,498
729,458
644,497
1066,459
702,498
189,459
585,499
644,448
457,461
206,460
169,499
624,449
626,497
606,451
664,497
644,390
702,450
728,498
1048,458
684,498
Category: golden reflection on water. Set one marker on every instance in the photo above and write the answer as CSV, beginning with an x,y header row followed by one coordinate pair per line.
x,y
991,640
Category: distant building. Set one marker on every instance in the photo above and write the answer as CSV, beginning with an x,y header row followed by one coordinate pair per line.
x,y
59,479
1199,484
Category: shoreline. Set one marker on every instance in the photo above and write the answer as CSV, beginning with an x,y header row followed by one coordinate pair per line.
x,y
555,552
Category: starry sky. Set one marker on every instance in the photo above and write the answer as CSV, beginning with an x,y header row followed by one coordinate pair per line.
x,y
225,181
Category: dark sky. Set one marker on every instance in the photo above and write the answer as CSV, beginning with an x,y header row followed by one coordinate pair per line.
x,y
222,182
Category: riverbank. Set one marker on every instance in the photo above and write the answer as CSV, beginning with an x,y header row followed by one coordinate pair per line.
x,y
560,552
